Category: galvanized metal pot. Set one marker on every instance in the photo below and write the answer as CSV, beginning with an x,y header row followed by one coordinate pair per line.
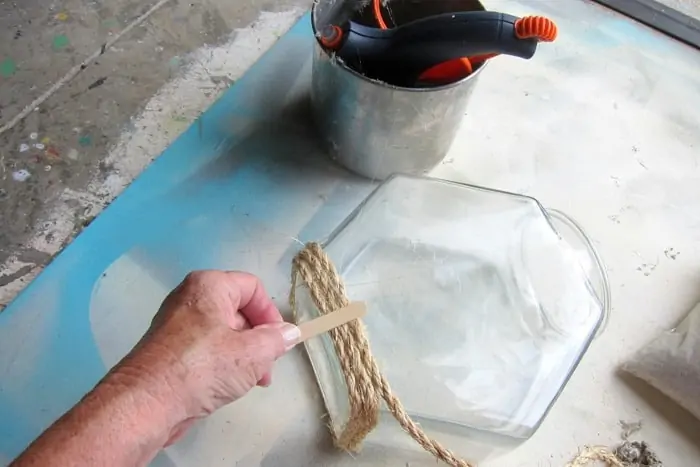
x,y
375,129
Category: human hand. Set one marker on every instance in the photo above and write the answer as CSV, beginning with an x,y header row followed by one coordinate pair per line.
x,y
215,337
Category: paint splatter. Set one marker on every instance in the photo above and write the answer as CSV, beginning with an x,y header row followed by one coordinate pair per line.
x,y
62,16
21,175
7,68
60,41
73,154
23,147
47,168
39,146
52,152
85,140
45,140
33,135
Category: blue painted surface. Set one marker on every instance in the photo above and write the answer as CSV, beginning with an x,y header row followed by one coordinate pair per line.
x,y
213,188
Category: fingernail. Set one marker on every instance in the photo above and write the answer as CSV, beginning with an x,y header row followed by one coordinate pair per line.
x,y
290,333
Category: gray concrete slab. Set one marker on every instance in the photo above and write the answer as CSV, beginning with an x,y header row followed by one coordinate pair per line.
x,y
61,147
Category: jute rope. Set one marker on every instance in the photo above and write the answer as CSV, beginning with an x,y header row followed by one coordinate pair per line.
x,y
590,454
367,387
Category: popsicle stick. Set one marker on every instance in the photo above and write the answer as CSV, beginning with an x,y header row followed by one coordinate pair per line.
x,y
332,320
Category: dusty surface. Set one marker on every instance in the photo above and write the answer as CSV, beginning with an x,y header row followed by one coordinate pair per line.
x,y
687,7
637,454
53,167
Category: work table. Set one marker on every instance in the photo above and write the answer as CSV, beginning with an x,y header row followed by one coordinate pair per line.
x,y
602,125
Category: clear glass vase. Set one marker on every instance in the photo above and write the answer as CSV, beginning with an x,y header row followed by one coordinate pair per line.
x,y
480,305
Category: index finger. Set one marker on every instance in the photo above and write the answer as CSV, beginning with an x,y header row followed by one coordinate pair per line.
x,y
254,302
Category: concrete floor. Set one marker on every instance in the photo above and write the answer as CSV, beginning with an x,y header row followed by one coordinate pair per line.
x,y
55,175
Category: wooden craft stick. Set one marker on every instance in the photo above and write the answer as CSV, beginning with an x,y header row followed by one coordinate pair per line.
x,y
332,320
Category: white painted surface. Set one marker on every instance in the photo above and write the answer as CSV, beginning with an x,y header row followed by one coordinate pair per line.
x,y
610,136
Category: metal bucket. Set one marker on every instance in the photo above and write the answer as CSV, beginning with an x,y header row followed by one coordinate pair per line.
x,y
376,129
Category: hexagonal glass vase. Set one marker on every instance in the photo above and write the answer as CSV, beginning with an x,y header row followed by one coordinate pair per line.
x,y
480,305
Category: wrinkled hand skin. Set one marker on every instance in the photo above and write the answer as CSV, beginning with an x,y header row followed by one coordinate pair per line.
x,y
214,338
199,329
